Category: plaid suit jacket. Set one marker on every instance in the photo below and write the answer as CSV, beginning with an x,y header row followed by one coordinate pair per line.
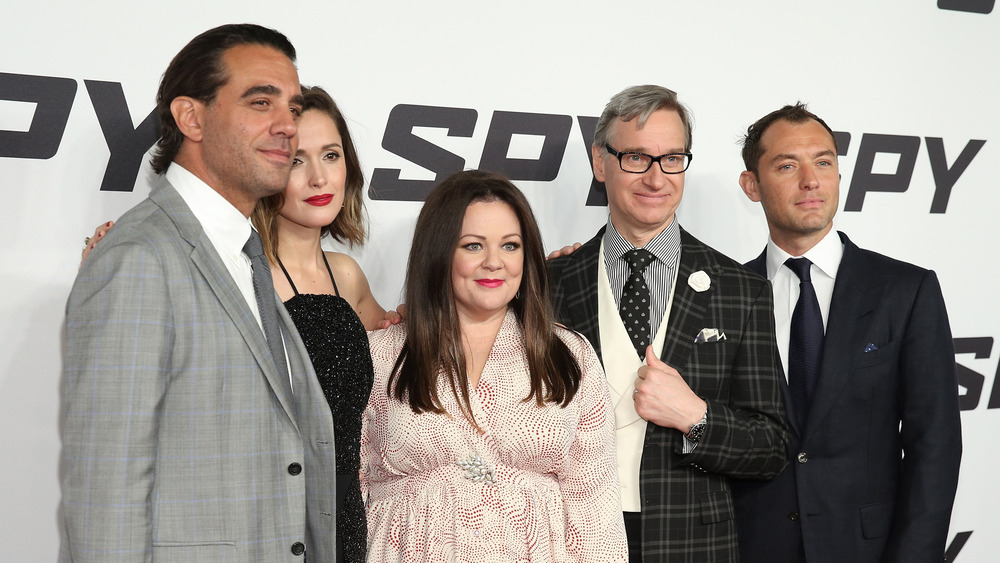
x,y
687,508
181,442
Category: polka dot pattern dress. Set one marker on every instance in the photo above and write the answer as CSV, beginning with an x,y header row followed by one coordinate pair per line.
x,y
540,484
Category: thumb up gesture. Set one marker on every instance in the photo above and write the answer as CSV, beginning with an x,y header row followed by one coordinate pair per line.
x,y
663,397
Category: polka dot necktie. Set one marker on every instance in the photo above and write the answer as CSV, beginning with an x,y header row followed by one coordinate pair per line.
x,y
805,340
634,304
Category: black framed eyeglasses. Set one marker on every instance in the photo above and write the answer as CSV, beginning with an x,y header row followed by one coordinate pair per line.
x,y
639,163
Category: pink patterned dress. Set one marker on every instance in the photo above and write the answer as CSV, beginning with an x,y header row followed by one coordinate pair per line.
x,y
539,485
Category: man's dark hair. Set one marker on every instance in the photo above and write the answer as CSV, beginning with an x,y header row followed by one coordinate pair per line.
x,y
798,113
198,72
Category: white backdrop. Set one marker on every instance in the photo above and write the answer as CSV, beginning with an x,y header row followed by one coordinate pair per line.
x,y
909,71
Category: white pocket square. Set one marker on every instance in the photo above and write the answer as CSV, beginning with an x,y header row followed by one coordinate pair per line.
x,y
709,335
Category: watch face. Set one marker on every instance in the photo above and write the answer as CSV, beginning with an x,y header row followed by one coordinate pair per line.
x,y
697,429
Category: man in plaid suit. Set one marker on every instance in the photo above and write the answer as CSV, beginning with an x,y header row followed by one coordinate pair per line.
x,y
696,391
184,437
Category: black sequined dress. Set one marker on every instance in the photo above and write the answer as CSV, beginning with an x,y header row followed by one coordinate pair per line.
x,y
338,347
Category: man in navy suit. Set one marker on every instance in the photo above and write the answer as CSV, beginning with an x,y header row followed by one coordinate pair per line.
x,y
876,432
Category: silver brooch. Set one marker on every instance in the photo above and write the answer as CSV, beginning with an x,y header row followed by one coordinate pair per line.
x,y
477,470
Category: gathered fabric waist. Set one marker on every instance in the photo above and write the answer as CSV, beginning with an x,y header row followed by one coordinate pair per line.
x,y
453,478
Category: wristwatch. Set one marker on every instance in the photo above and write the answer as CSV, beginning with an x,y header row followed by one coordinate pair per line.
x,y
697,429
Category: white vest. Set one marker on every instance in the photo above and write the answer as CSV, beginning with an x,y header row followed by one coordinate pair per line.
x,y
621,364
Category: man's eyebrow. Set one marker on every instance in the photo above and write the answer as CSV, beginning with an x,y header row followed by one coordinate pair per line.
x,y
266,89
271,90
778,157
642,150
796,158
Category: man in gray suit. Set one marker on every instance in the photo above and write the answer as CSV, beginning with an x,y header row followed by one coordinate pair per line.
x,y
186,435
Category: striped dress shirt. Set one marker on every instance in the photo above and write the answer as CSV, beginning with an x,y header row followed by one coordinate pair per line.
x,y
659,275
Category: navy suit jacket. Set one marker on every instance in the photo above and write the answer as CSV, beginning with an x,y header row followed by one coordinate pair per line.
x,y
687,510
873,474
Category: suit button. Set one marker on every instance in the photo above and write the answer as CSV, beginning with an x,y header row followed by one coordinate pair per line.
x,y
298,548
793,516
803,457
294,469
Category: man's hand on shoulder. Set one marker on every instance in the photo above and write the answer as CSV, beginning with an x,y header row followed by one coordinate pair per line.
x,y
392,317
564,251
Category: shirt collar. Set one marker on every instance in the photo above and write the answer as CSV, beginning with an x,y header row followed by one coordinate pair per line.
x,y
225,225
826,255
666,246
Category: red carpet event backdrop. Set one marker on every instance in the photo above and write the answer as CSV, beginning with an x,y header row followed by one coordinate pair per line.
x,y
439,86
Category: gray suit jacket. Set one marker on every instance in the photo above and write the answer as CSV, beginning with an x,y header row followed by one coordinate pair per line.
x,y
181,442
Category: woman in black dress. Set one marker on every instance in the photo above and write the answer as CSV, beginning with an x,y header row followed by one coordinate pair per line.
x,y
326,293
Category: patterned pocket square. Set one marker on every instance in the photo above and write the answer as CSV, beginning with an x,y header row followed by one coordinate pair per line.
x,y
709,335
870,347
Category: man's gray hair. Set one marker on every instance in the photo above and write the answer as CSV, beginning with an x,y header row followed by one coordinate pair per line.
x,y
640,102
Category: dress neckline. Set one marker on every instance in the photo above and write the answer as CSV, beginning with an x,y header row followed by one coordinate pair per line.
x,y
328,270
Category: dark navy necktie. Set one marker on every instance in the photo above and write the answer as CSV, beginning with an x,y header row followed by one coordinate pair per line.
x,y
634,304
263,289
805,341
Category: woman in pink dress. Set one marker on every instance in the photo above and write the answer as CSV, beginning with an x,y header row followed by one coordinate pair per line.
x,y
489,434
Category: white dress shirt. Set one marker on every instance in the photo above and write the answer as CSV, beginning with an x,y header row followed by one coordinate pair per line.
x,y
226,227
825,258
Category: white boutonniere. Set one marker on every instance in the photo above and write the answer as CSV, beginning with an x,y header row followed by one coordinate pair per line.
x,y
699,281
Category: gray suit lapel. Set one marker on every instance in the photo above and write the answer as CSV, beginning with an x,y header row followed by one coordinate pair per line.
x,y
206,259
